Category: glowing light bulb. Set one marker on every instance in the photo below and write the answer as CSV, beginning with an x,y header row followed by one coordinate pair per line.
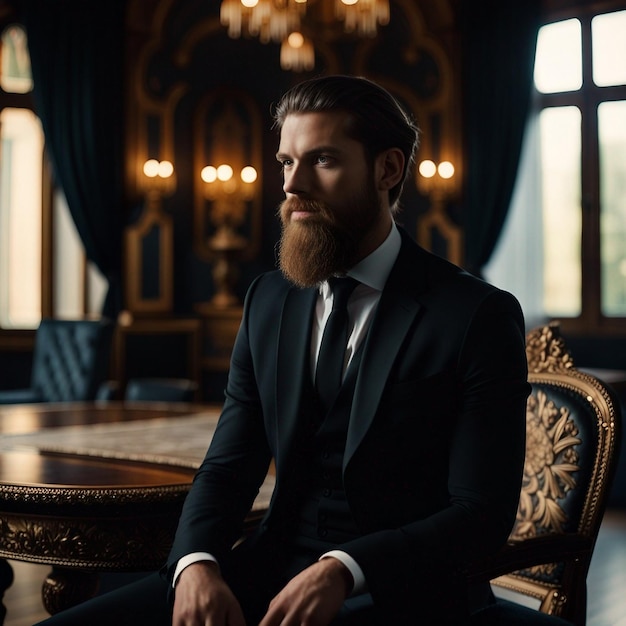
x,y
427,169
248,174
166,169
208,174
224,172
151,168
295,40
446,169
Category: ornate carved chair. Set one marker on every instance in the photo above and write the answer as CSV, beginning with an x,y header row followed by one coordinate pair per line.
x,y
572,428
70,361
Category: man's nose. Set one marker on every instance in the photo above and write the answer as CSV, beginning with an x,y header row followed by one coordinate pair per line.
x,y
295,180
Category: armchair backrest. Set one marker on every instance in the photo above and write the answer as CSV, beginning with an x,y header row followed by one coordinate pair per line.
x,y
71,358
160,390
572,428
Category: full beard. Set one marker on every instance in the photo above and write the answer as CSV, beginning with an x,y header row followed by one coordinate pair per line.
x,y
313,249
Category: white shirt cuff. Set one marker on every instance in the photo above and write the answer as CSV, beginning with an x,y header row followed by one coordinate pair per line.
x,y
187,560
360,584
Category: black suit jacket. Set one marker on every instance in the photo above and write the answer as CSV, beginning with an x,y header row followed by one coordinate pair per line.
x,y
435,446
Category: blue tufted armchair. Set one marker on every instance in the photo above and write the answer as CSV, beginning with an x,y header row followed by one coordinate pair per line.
x,y
70,361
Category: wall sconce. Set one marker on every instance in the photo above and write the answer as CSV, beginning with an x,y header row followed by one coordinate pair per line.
x,y
229,190
228,195
158,178
149,244
437,181
435,178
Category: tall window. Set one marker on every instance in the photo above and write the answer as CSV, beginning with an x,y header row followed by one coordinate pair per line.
x,y
43,271
563,251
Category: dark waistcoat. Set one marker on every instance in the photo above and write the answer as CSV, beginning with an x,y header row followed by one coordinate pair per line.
x,y
323,516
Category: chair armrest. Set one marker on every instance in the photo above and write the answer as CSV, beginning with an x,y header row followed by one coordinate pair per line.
x,y
107,391
19,396
530,552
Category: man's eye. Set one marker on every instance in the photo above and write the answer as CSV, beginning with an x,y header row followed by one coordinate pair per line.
x,y
323,159
285,163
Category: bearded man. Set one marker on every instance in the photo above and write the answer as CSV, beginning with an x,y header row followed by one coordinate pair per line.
x,y
391,473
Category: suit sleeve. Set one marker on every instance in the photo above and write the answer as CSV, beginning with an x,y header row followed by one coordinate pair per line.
x,y
234,467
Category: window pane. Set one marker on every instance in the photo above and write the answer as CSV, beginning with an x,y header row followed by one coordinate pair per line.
x,y
97,288
612,138
16,76
20,218
73,295
560,130
69,262
608,38
558,63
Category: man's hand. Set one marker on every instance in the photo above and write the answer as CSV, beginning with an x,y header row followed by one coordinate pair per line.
x,y
204,599
312,598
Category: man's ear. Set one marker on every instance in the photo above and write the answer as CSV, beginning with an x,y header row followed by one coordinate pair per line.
x,y
389,168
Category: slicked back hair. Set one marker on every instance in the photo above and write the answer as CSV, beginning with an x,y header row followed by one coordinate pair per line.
x,y
376,118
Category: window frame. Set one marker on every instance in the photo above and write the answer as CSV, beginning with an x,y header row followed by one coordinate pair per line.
x,y
587,99
86,301
22,339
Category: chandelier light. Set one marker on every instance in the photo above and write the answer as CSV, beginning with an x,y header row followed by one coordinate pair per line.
x,y
281,21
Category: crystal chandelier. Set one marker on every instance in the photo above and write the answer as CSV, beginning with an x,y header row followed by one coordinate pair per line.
x,y
281,21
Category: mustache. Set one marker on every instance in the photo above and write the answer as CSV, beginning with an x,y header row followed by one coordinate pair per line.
x,y
291,205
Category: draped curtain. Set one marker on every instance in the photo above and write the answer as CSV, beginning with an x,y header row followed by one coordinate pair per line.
x,y
499,51
76,51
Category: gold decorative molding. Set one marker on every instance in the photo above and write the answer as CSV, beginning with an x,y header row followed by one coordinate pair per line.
x,y
546,351
148,111
572,427
111,538
125,543
63,589
227,211
436,222
153,230
428,56
41,496
551,363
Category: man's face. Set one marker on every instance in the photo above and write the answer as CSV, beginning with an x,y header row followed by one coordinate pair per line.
x,y
331,203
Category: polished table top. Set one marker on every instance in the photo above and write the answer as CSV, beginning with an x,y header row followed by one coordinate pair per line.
x,y
32,467
26,418
67,500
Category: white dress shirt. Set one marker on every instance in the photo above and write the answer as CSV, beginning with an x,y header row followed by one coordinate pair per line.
x,y
372,273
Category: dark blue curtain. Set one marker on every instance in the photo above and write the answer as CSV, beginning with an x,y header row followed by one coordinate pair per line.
x,y
499,51
76,49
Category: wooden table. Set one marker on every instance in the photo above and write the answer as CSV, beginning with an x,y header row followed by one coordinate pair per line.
x,y
84,513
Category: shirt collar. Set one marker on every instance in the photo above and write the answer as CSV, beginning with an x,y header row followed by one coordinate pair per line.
x,y
375,268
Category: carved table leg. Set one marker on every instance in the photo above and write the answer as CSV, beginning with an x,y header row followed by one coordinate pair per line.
x,y
64,588
6,580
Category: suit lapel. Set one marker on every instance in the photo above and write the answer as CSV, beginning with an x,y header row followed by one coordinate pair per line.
x,y
395,315
293,358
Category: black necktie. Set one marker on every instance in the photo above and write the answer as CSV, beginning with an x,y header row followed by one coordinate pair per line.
x,y
330,361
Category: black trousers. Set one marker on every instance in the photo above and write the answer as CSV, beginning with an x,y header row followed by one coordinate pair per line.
x,y
255,574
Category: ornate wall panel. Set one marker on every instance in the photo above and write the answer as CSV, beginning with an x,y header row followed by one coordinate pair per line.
x,y
197,97
418,61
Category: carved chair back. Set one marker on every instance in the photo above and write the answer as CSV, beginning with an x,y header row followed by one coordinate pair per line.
x,y
572,422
